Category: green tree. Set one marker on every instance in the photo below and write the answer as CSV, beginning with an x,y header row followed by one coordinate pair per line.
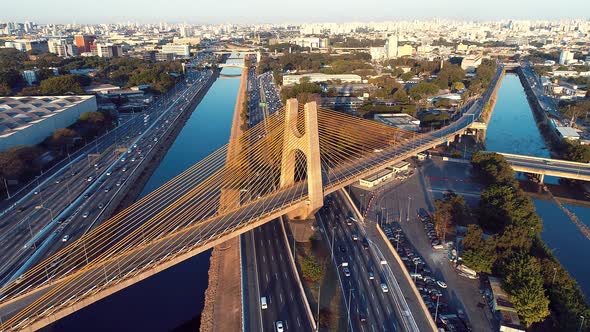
x,y
575,151
524,282
478,253
406,76
492,168
422,90
456,86
59,85
311,269
400,95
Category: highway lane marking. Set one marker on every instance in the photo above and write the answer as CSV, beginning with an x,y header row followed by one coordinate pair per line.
x,y
285,273
264,258
272,257
373,327
388,311
298,321
291,296
281,297
276,275
267,280
281,256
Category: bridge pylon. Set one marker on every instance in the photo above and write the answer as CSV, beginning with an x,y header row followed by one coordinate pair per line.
x,y
307,143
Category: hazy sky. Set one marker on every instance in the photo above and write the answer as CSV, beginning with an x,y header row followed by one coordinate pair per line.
x,y
276,11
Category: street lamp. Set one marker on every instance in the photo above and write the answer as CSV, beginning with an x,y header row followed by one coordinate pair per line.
x,y
332,244
409,202
436,311
362,201
349,296
38,207
581,324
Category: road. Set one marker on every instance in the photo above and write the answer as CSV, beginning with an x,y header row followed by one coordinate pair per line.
x,y
371,309
66,205
275,280
555,167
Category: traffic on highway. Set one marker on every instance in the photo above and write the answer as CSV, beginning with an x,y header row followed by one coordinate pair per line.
x,y
72,200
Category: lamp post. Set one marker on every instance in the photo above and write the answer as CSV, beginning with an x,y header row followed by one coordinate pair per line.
x,y
436,311
362,201
409,202
332,244
348,310
38,207
581,324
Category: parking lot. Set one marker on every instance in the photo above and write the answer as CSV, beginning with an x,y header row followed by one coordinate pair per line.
x,y
402,203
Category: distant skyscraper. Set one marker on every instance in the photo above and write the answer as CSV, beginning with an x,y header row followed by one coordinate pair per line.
x,y
391,46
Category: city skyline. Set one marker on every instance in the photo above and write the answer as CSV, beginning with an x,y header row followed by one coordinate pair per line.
x,y
305,11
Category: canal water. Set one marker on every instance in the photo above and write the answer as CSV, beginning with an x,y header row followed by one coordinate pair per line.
x,y
512,129
171,300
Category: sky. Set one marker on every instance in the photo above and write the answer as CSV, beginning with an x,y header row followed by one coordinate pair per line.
x,y
283,11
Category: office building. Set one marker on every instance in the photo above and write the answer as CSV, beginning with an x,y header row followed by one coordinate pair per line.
x,y
391,46
39,45
83,43
178,50
471,62
321,77
29,120
108,50
566,57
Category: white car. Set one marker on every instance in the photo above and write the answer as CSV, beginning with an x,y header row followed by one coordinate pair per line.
x,y
279,325
263,303
441,284
384,287
65,238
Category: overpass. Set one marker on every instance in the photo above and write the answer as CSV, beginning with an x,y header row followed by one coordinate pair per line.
x,y
234,65
547,166
288,164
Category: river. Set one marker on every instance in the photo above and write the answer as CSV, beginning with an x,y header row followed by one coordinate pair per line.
x,y
172,299
512,129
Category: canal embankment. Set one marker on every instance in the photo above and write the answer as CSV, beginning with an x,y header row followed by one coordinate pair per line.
x,y
136,183
223,297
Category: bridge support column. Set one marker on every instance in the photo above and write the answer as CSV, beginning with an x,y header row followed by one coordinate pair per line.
x,y
541,178
307,143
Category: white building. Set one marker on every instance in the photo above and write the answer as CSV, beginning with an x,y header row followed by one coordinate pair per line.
x,y
471,62
391,46
399,120
377,53
179,50
108,50
566,57
29,120
321,77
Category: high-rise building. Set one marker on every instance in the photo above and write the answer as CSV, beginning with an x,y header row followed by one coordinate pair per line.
x,y
566,57
108,50
37,45
180,50
391,46
83,43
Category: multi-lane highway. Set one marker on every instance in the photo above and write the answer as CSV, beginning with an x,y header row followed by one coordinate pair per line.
x,y
69,203
275,281
369,290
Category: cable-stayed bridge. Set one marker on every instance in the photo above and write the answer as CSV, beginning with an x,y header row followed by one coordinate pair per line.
x,y
282,166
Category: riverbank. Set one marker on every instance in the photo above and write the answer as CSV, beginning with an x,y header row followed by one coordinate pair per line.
x,y
223,305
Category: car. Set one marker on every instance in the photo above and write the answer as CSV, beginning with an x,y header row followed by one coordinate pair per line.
x,y
346,272
355,237
122,160
21,209
279,326
365,244
90,178
362,316
124,169
384,287
263,303
107,189
371,275
100,205
86,214
109,173
441,284
57,180
86,195
65,238
342,248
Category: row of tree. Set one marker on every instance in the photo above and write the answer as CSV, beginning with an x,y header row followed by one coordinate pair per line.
x,y
516,251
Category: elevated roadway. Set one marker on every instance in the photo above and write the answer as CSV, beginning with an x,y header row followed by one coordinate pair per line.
x,y
547,166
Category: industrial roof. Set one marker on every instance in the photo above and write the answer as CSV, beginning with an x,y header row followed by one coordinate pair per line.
x,y
17,113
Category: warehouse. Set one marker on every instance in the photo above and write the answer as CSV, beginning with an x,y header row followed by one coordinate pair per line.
x,y
29,120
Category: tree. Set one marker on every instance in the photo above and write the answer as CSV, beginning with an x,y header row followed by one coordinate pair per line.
x,y
524,282
406,76
61,138
456,86
400,95
492,168
310,269
4,90
59,85
478,253
575,151
423,89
